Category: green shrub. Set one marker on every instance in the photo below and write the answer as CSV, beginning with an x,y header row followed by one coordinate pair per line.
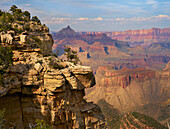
x,y
41,124
148,120
35,18
5,58
1,80
71,55
39,61
53,63
2,113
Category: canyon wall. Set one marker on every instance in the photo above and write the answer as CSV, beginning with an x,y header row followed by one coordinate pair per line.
x,y
139,37
129,90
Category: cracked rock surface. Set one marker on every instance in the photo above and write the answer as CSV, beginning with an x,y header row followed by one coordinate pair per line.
x,y
35,90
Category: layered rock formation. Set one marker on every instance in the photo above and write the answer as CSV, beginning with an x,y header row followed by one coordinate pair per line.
x,y
139,37
96,48
131,90
141,89
33,89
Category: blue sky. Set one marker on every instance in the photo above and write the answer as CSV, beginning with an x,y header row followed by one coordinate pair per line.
x,y
97,15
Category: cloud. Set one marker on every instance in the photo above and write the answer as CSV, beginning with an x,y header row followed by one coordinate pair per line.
x,y
60,19
86,18
27,4
83,18
120,19
154,3
95,24
162,16
151,2
97,19
159,17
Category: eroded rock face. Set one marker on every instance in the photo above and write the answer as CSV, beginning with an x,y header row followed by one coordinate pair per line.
x,y
168,65
35,90
130,90
138,37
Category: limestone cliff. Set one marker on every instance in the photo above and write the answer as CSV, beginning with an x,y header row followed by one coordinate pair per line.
x,y
34,89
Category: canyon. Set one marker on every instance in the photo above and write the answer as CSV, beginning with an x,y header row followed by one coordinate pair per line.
x,y
120,77
127,90
128,78
97,48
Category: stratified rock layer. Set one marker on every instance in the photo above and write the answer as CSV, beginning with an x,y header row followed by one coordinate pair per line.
x,y
132,90
142,37
33,89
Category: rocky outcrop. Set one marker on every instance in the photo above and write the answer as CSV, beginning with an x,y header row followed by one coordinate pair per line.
x,y
34,89
35,36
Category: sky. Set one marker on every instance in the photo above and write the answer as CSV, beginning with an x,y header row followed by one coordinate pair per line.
x,y
97,15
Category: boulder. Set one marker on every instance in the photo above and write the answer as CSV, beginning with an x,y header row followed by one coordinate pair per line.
x,y
9,38
23,38
3,37
38,67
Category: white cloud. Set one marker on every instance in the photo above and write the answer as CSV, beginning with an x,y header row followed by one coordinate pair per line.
x,y
154,3
61,19
151,2
120,19
27,4
83,18
64,19
162,15
97,19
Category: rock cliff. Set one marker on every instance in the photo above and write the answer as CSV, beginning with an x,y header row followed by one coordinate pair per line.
x,y
35,89
41,86
131,90
139,37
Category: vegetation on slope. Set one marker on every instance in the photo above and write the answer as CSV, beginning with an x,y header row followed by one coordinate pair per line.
x,y
16,15
129,121
112,115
